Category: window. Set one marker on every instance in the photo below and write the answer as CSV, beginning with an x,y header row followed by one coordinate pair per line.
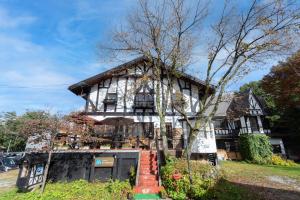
x,y
253,123
144,100
237,124
111,98
276,148
144,129
104,83
185,85
220,124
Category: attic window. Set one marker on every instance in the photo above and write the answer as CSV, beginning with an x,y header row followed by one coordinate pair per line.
x,y
185,85
104,84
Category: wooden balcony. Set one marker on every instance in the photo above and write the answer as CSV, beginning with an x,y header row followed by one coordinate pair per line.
x,y
226,133
143,104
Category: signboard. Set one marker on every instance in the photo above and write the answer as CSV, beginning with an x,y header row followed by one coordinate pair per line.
x,y
104,162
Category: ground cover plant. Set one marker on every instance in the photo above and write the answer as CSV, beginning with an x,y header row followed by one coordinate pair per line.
x,y
76,190
278,160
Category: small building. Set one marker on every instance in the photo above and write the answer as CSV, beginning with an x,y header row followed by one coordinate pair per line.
x,y
239,114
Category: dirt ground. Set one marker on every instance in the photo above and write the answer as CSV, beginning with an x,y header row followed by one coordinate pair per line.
x,y
8,180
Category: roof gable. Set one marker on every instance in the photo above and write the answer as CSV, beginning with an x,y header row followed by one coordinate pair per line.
x,y
77,88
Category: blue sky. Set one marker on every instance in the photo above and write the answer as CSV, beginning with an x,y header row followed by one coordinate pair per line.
x,y
45,46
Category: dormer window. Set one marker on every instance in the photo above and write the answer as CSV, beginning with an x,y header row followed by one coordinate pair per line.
x,y
111,98
104,83
185,85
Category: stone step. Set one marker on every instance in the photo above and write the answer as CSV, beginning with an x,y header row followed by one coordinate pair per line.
x,y
147,189
148,177
148,183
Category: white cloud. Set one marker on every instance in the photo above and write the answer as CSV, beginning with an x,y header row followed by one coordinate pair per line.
x,y
8,21
26,63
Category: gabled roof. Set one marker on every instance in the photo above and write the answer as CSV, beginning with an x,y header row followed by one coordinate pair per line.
x,y
222,106
240,105
77,88
237,105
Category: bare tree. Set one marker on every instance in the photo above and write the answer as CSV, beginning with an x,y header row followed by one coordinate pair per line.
x,y
163,33
243,39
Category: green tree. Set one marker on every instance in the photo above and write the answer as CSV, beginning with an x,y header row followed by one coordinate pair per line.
x,y
14,129
10,137
283,85
280,91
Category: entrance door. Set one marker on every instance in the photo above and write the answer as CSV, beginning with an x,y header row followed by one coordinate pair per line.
x,y
146,134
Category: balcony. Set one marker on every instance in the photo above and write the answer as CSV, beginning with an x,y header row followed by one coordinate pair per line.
x,y
226,132
111,99
144,101
143,104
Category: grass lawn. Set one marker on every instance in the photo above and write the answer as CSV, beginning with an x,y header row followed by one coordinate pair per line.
x,y
246,171
265,181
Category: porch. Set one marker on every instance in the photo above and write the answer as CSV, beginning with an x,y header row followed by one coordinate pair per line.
x,y
120,133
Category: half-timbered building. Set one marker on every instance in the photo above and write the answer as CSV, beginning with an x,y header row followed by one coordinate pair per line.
x,y
239,114
127,93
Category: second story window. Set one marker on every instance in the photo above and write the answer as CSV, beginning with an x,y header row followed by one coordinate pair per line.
x,y
144,99
111,98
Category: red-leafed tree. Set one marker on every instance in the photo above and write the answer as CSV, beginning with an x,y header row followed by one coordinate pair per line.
x,y
283,85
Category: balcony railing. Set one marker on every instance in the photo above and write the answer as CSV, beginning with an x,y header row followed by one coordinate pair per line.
x,y
143,104
236,132
226,132
110,101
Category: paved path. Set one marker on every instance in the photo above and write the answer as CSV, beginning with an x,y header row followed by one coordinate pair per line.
x,y
8,180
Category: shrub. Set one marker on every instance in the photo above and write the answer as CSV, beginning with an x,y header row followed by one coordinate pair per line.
x,y
256,148
203,175
278,160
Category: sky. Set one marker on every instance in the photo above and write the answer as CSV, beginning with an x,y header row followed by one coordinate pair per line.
x,y
45,46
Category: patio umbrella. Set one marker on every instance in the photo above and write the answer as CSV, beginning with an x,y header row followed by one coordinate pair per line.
x,y
115,121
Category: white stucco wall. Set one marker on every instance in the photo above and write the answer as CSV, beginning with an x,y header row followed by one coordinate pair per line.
x,y
205,141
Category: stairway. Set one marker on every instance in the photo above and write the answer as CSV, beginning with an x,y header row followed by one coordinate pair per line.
x,y
148,174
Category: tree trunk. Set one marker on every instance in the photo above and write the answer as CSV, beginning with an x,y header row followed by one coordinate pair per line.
x,y
188,158
163,135
160,109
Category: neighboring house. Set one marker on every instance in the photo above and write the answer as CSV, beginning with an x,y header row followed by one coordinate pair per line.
x,y
239,114
127,93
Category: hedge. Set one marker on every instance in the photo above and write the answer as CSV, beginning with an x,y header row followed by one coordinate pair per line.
x,y
256,148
